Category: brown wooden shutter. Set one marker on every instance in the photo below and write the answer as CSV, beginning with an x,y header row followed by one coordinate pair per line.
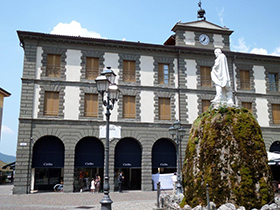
x,y
244,79
91,105
164,109
247,105
92,68
205,75
53,65
128,71
129,107
160,74
51,103
205,105
276,113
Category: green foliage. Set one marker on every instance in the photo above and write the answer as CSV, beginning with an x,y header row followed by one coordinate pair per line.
x,y
226,150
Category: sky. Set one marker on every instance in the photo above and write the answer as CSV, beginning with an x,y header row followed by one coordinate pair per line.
x,y
255,25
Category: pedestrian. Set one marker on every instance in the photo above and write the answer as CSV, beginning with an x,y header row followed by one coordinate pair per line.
x,y
174,180
92,187
97,183
120,180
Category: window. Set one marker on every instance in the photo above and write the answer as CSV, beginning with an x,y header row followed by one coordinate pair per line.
x,y
164,109
129,107
53,65
91,105
273,82
51,103
275,113
128,71
205,105
92,68
163,73
247,105
244,80
205,75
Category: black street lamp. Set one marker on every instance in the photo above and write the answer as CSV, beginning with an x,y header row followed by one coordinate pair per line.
x,y
108,89
177,131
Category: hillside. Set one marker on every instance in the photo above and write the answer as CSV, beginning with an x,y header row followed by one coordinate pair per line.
x,y
7,158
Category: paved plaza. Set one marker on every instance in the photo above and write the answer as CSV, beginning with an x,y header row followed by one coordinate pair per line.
x,y
128,200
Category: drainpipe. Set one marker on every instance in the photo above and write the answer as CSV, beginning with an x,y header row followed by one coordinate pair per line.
x,y
179,97
233,80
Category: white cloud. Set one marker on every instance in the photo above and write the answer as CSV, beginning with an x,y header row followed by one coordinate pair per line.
x,y
7,130
221,16
241,47
276,52
74,29
259,51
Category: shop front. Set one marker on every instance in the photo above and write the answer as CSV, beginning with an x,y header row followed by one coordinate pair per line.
x,y
89,163
128,155
47,163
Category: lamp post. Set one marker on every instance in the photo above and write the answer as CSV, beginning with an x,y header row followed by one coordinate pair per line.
x,y
110,94
177,132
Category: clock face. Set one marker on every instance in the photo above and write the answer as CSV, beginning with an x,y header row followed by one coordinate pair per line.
x,y
204,39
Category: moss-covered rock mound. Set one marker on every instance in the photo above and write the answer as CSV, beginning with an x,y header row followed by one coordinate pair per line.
x,y
226,150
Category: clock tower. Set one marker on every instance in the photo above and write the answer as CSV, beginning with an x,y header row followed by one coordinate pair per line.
x,y
200,34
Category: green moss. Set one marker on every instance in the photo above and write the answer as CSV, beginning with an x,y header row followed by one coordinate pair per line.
x,y
226,150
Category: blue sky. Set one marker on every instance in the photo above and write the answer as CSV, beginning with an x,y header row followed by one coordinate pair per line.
x,y
255,24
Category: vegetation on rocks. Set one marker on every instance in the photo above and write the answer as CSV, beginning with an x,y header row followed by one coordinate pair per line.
x,y
226,150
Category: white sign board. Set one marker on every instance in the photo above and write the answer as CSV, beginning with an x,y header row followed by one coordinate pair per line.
x,y
164,179
114,132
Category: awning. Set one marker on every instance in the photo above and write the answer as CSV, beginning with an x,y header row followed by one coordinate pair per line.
x,y
164,154
89,153
128,154
48,152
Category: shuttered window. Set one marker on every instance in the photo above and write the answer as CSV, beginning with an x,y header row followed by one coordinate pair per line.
x,y
91,105
92,68
247,105
53,65
205,76
244,80
163,73
129,107
164,109
273,82
128,71
205,105
51,103
275,113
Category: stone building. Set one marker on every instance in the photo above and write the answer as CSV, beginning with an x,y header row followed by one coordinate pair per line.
x,y
3,94
62,123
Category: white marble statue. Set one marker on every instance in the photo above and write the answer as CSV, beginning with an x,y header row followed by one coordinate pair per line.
x,y
220,76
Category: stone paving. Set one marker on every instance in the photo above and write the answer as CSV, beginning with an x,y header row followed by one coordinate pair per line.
x,y
128,200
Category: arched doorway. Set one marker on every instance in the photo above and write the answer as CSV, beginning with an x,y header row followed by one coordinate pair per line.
x,y
275,164
128,156
163,163
163,156
89,161
47,163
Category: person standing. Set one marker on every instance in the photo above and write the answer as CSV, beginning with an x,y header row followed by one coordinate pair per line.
x,y
92,185
120,180
97,182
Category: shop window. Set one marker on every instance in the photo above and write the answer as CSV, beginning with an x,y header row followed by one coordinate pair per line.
x,y
247,105
205,105
164,109
244,80
273,82
128,71
51,103
129,107
91,105
275,113
53,65
92,68
163,73
205,76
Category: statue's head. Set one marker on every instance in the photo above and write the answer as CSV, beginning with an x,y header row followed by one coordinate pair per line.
x,y
217,52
